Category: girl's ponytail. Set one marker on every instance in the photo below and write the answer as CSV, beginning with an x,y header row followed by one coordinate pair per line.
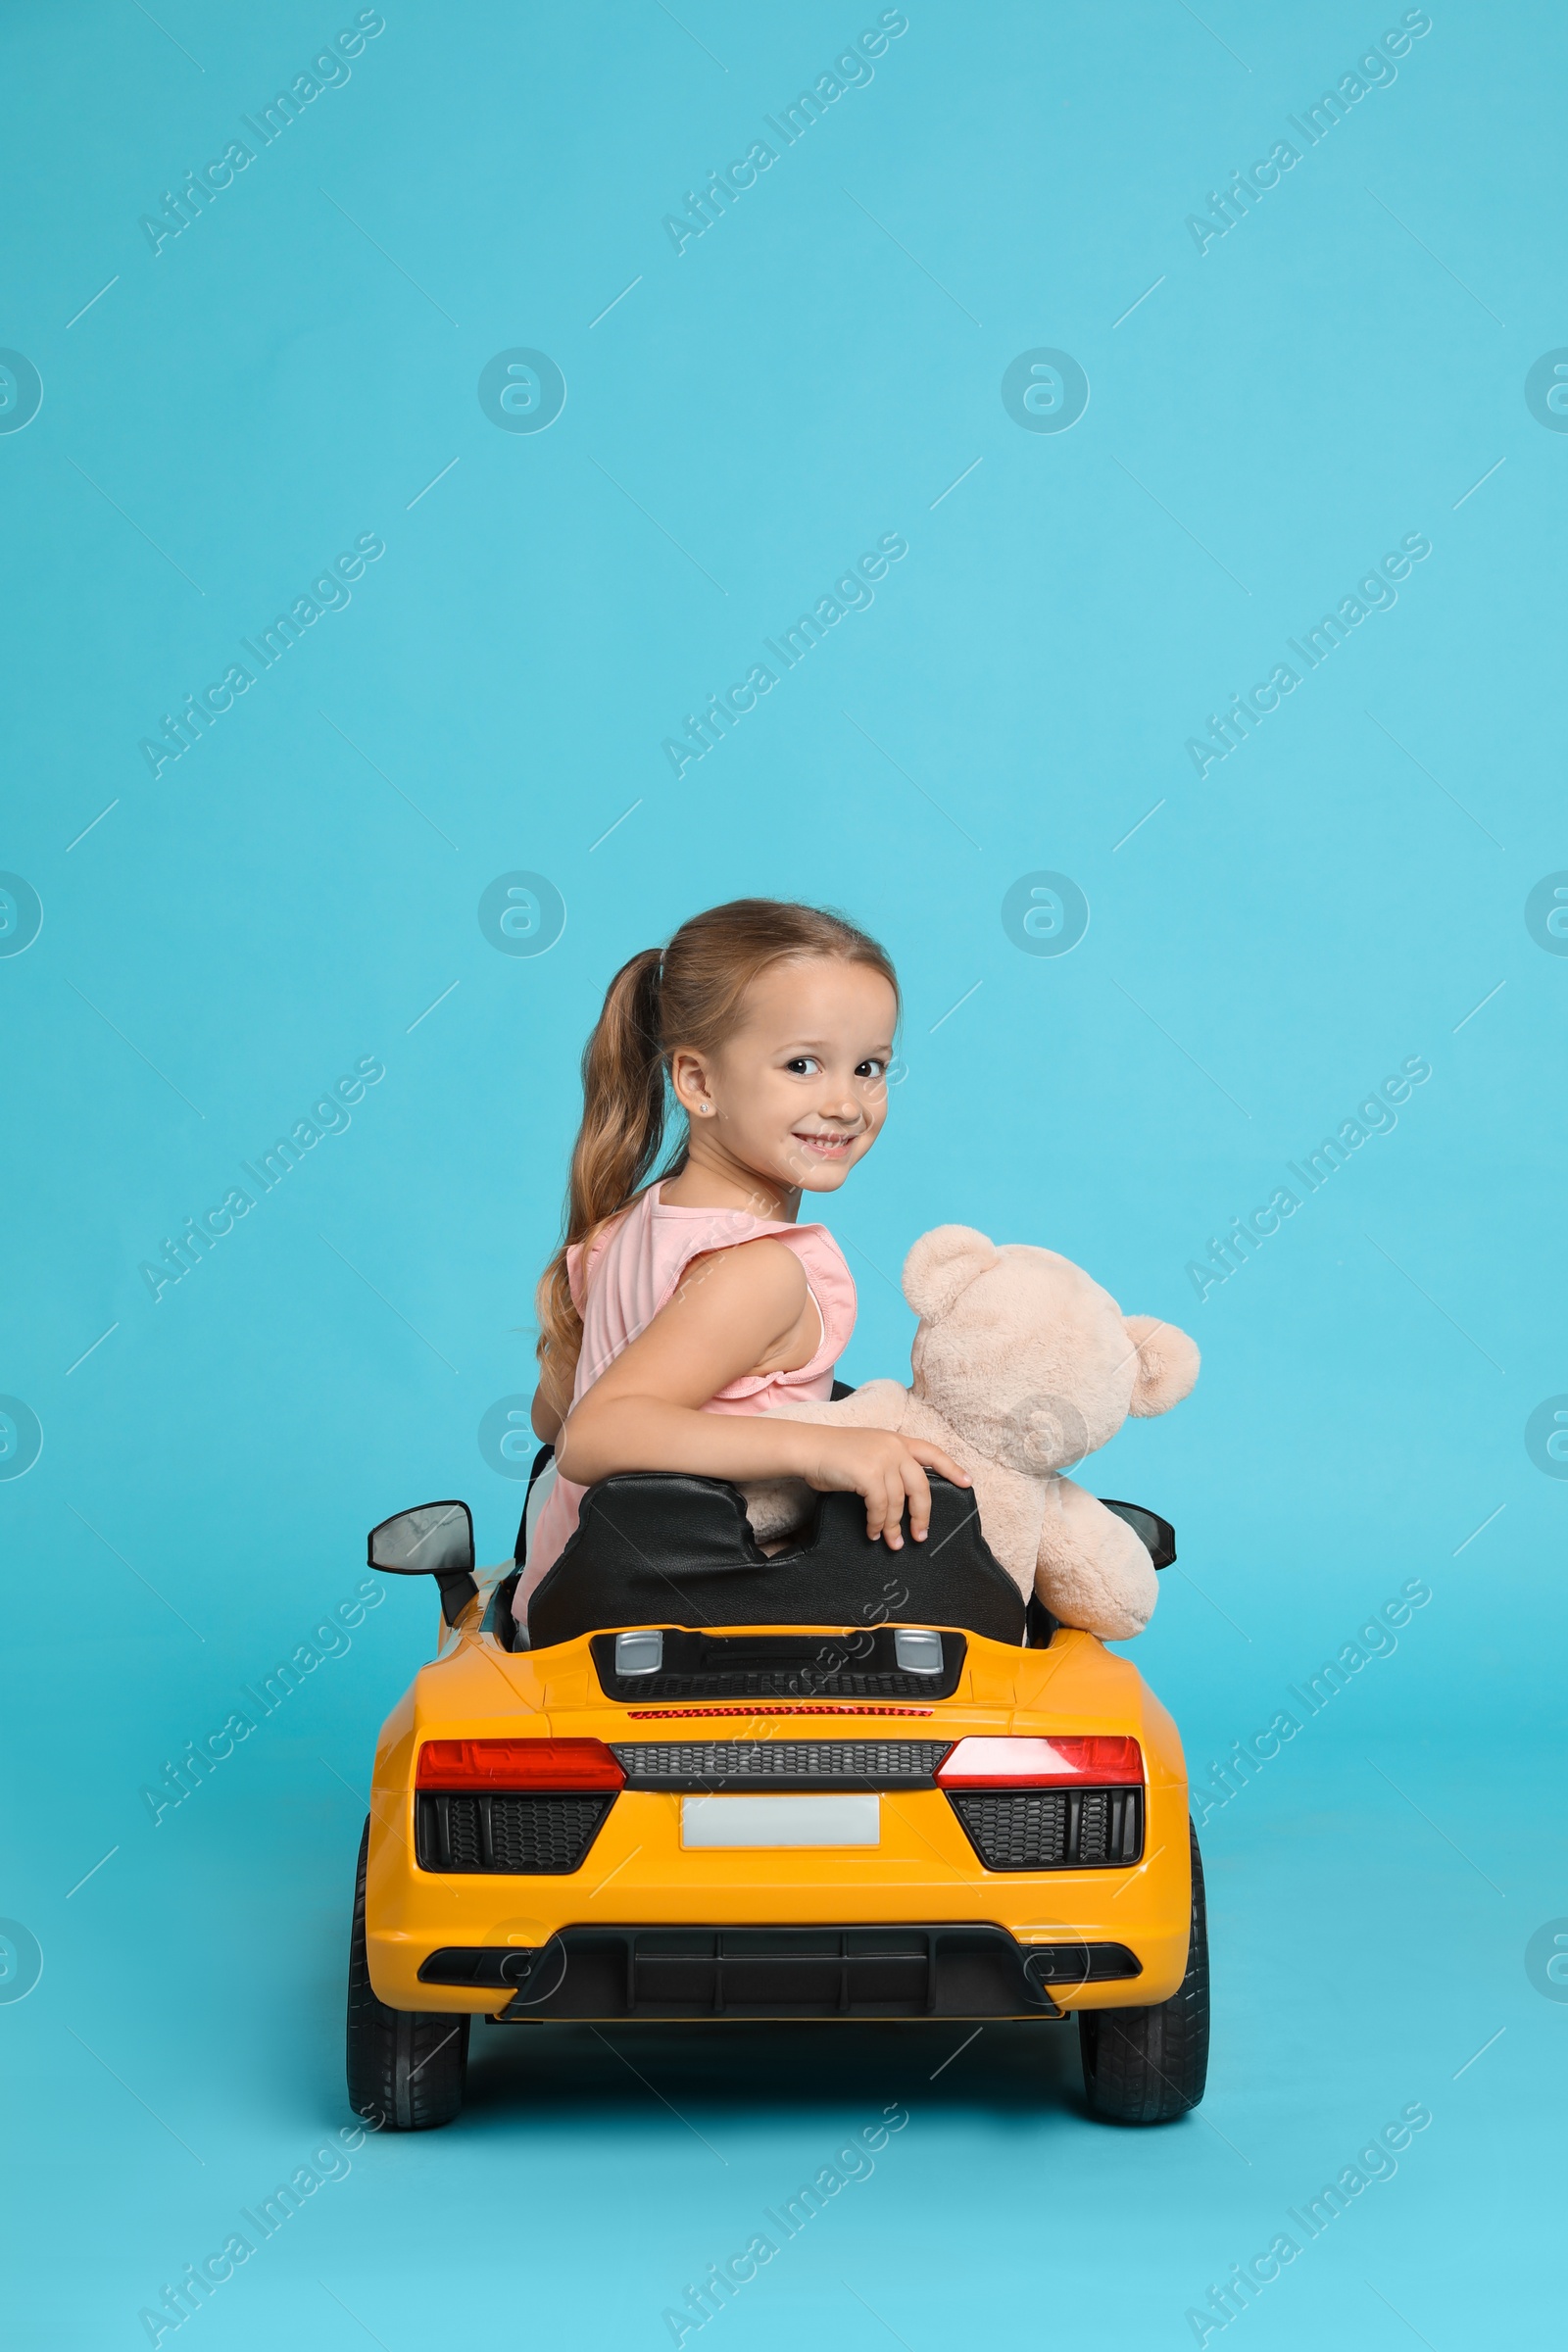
x,y
622,1128
691,995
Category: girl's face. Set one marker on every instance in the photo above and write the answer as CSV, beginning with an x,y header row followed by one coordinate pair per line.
x,y
798,1092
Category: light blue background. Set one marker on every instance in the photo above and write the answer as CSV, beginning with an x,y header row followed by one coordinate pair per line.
x,y
812,372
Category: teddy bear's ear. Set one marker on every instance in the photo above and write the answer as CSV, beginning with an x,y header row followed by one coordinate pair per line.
x,y
1167,1364
942,1265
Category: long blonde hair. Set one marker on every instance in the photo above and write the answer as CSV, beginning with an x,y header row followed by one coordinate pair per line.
x,y
689,993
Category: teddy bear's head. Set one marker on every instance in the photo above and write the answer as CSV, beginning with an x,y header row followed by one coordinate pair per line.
x,y
1026,1357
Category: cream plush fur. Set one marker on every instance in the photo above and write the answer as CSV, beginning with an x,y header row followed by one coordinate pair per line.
x,y
1021,1365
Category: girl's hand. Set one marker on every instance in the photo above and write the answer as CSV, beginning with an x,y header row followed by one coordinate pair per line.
x,y
885,1469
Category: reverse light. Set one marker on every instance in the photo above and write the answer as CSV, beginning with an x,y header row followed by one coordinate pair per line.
x,y
519,1765
1093,1761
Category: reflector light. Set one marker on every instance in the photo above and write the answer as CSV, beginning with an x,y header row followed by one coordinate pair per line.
x,y
1096,1760
519,1765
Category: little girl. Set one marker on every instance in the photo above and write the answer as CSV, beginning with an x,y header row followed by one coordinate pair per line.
x,y
673,1319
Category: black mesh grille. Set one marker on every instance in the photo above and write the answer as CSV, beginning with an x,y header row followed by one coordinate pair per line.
x,y
794,1683
704,1764
1053,1829
543,1837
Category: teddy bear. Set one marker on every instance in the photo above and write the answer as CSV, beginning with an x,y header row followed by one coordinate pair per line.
x,y
1021,1365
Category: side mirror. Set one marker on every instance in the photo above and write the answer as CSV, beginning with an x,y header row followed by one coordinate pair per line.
x,y
434,1539
1156,1535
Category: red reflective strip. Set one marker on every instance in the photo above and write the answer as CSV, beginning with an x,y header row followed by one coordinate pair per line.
x,y
518,1764
1065,1761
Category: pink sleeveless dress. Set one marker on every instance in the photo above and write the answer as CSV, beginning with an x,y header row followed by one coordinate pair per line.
x,y
635,1268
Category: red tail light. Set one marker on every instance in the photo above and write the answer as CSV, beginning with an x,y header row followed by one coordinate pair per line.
x,y
519,1765
1098,1760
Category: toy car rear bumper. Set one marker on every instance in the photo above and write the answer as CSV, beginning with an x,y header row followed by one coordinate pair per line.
x,y
647,1927
943,1970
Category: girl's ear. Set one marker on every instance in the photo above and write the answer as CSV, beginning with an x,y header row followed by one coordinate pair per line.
x,y
688,1079
1167,1364
942,1265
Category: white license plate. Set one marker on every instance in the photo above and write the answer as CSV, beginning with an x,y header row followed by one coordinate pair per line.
x,y
720,1821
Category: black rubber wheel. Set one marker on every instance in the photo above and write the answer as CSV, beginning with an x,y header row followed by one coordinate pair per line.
x,y
405,2066
1149,2066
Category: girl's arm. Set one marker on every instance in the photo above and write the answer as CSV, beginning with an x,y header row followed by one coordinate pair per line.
x,y
740,1311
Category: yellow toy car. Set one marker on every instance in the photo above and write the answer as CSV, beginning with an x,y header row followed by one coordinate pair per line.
x,y
836,1783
